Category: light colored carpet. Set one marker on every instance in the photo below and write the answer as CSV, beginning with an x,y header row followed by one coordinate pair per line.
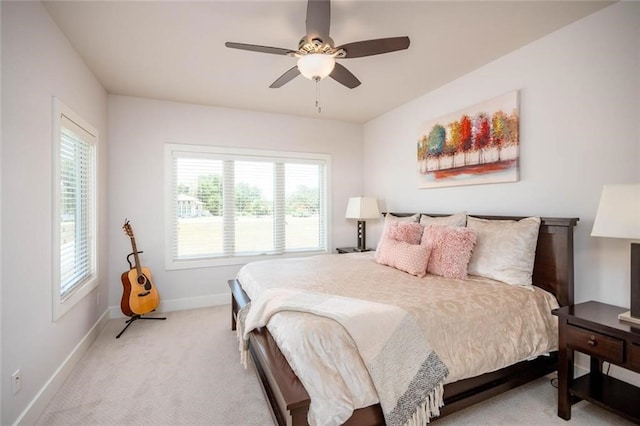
x,y
182,371
186,371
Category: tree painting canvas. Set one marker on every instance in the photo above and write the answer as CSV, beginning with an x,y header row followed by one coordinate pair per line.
x,y
476,145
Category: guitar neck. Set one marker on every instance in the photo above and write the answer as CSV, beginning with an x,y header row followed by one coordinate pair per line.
x,y
135,256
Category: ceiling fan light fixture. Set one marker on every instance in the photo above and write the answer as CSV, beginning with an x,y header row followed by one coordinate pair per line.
x,y
316,66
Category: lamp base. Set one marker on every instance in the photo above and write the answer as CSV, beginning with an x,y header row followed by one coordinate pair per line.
x,y
362,236
626,317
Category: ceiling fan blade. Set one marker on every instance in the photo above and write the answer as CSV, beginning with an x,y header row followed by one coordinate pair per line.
x,y
359,49
285,78
344,76
257,48
318,19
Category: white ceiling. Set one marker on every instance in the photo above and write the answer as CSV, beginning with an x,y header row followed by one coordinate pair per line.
x,y
174,50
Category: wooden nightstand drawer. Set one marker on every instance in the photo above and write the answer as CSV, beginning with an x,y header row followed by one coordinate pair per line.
x,y
634,356
592,343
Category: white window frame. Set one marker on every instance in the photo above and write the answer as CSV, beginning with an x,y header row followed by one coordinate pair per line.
x,y
62,304
171,148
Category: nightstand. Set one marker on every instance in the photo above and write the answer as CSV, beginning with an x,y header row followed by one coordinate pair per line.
x,y
343,250
594,329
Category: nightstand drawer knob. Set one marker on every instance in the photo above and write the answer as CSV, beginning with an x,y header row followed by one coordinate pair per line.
x,y
592,341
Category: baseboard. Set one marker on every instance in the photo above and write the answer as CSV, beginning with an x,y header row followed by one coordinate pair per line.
x,y
37,405
183,304
579,370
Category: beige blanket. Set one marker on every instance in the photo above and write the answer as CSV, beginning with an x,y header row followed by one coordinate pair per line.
x,y
474,325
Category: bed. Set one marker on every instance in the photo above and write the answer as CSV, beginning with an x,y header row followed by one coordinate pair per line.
x,y
552,272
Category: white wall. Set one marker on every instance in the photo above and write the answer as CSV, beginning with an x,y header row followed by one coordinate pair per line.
x,y
38,63
580,108
138,132
1,374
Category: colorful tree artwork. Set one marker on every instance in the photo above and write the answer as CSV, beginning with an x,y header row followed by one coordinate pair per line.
x,y
479,144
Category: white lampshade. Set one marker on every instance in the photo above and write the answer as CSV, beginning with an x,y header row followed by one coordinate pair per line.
x,y
362,208
316,65
618,214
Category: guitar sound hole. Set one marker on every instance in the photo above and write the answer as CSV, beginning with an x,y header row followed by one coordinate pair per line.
x,y
143,280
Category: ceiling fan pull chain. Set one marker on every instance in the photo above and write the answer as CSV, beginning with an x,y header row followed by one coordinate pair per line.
x,y
318,94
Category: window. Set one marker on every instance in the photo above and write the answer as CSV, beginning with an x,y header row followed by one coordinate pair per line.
x,y
74,208
230,206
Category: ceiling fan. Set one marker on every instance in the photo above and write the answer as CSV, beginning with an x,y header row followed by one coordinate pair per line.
x,y
316,51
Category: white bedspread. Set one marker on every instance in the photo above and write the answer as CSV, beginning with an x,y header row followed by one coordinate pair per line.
x,y
474,325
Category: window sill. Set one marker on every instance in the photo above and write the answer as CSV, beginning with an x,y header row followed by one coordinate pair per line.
x,y
236,260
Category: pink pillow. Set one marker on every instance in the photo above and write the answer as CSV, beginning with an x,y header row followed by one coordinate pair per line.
x,y
451,248
409,232
411,258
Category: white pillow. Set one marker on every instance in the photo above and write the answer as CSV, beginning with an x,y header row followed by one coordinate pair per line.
x,y
505,250
389,217
458,219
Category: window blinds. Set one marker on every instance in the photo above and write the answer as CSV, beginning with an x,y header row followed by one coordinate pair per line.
x,y
76,189
228,205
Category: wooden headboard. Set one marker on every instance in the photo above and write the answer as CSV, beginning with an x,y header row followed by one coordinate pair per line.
x,y
553,268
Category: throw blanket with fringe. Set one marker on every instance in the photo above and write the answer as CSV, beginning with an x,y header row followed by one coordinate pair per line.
x,y
407,374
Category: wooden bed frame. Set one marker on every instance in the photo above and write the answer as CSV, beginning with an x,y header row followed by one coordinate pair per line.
x,y
289,401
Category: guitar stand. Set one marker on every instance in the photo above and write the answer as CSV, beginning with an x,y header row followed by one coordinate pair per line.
x,y
137,317
129,257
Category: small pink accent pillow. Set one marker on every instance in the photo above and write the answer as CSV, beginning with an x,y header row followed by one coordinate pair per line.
x,y
409,232
411,258
451,248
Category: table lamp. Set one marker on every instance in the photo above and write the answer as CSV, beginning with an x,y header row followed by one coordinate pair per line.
x,y
362,208
618,216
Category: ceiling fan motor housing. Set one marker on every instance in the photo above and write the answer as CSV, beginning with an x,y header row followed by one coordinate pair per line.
x,y
308,45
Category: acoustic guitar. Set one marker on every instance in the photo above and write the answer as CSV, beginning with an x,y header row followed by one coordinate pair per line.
x,y
139,295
